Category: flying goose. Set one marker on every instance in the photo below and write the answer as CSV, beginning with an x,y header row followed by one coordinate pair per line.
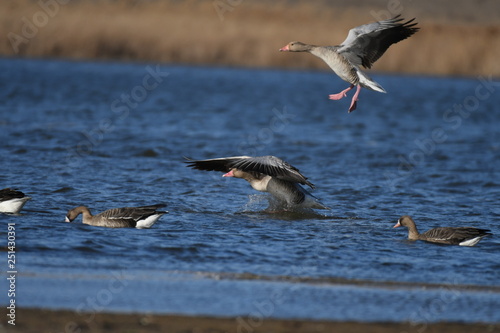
x,y
12,201
464,236
127,217
266,174
363,46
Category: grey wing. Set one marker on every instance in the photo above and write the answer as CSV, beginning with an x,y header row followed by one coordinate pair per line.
x,y
130,215
365,44
465,233
7,194
286,191
444,235
140,213
274,167
150,207
454,235
117,217
223,164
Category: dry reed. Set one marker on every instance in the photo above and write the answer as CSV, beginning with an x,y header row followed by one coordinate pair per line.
x,y
247,34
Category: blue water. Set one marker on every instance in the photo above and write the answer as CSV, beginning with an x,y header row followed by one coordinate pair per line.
x,y
111,135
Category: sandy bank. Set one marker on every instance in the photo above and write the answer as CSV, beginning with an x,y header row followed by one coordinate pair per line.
x,y
37,321
457,41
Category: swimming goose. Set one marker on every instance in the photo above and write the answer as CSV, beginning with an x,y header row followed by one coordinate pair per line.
x,y
464,236
265,174
127,217
12,201
363,46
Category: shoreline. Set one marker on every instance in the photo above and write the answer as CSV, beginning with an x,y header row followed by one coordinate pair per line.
x,y
43,320
248,34
140,62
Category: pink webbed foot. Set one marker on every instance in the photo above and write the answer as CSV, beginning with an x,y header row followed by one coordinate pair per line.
x,y
354,99
341,94
353,106
338,96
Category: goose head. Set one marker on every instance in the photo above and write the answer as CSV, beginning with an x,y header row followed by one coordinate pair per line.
x,y
236,173
405,221
296,47
73,213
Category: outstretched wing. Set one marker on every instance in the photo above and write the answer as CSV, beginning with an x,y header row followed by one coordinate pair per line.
x,y
268,165
274,167
367,43
223,164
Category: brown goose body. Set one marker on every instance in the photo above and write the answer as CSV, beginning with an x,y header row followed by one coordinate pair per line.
x,y
464,236
363,46
126,217
266,174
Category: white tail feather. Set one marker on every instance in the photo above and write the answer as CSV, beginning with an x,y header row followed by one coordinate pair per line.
x,y
367,82
311,202
149,221
471,242
13,206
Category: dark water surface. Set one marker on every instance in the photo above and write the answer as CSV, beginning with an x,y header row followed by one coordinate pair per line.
x,y
110,135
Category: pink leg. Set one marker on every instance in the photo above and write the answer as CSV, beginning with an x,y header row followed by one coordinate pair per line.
x,y
355,99
341,94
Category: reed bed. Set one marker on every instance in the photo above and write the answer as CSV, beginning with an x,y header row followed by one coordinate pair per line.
x,y
232,33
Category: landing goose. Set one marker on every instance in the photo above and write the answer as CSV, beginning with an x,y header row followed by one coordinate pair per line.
x,y
127,217
363,46
464,236
12,201
265,174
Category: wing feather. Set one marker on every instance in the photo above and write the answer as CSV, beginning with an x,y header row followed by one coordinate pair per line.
x,y
454,235
222,164
365,44
131,214
267,165
7,194
274,167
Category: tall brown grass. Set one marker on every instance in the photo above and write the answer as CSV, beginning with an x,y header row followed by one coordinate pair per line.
x,y
249,34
